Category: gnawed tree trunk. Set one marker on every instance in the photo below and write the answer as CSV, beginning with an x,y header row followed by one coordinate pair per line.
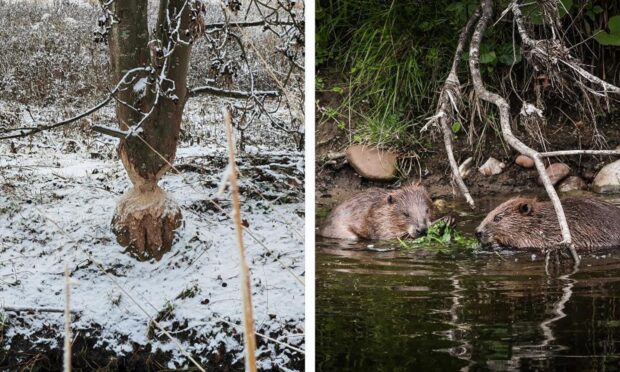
x,y
150,107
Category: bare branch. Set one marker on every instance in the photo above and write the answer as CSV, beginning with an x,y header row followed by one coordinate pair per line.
x,y
18,309
67,335
218,92
42,128
213,26
97,107
109,131
450,94
504,110
579,152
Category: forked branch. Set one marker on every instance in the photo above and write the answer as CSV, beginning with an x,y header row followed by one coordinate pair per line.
x,y
504,110
449,101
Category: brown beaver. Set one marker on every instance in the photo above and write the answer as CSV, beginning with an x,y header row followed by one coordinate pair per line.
x,y
528,223
381,214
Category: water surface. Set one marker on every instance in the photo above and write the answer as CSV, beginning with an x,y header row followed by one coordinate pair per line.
x,y
381,308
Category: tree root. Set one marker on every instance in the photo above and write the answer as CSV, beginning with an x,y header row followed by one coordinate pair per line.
x,y
504,109
448,106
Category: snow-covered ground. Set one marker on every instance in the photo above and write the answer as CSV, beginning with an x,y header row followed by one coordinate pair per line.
x,y
57,197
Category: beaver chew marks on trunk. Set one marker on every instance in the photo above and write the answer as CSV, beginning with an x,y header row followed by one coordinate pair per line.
x,y
145,221
524,223
381,214
152,99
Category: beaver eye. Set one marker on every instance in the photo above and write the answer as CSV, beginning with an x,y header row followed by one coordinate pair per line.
x,y
497,218
406,214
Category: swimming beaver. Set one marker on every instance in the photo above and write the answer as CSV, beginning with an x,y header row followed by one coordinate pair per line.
x,y
381,214
528,223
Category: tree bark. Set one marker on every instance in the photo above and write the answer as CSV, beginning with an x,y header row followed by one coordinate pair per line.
x,y
150,108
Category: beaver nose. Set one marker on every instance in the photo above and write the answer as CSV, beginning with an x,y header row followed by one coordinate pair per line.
x,y
478,234
421,230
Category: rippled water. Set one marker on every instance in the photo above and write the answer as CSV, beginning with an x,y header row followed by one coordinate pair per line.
x,y
384,309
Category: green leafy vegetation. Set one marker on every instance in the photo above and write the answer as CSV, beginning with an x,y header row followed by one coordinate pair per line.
x,y
442,237
613,36
389,59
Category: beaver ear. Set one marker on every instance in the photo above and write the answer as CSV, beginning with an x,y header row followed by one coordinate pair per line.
x,y
390,199
525,208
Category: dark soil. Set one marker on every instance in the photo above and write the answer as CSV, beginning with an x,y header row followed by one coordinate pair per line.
x,y
25,354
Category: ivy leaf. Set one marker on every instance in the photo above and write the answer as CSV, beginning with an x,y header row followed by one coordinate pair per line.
x,y
613,37
535,16
488,57
456,126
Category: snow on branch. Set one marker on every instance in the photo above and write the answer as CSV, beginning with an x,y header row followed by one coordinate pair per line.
x,y
24,132
218,92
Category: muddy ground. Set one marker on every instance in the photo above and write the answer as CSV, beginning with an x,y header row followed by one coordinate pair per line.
x,y
336,179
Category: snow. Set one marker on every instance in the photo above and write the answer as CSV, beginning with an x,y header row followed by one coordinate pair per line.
x,y
140,85
57,198
529,109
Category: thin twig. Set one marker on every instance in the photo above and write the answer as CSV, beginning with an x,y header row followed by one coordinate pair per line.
x,y
42,128
213,26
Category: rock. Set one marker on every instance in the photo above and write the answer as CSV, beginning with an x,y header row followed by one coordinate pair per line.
x,y
556,172
524,161
466,166
372,163
572,183
492,167
608,179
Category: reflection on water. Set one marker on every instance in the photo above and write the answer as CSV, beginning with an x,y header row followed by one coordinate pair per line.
x,y
384,309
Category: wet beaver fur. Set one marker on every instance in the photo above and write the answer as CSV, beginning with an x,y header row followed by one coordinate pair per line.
x,y
380,214
523,223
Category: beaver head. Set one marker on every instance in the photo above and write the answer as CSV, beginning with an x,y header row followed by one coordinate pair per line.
x,y
407,211
518,223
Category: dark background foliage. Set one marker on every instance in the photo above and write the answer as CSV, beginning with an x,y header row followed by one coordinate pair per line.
x,y
388,59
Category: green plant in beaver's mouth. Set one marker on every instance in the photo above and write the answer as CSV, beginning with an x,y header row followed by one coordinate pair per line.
x,y
441,236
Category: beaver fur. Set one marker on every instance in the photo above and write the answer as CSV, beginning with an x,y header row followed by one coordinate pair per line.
x,y
523,223
380,214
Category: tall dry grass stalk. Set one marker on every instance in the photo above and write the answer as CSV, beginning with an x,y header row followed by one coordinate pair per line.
x,y
68,337
248,319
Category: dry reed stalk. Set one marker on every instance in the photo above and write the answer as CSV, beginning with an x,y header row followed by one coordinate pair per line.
x,y
248,319
67,351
